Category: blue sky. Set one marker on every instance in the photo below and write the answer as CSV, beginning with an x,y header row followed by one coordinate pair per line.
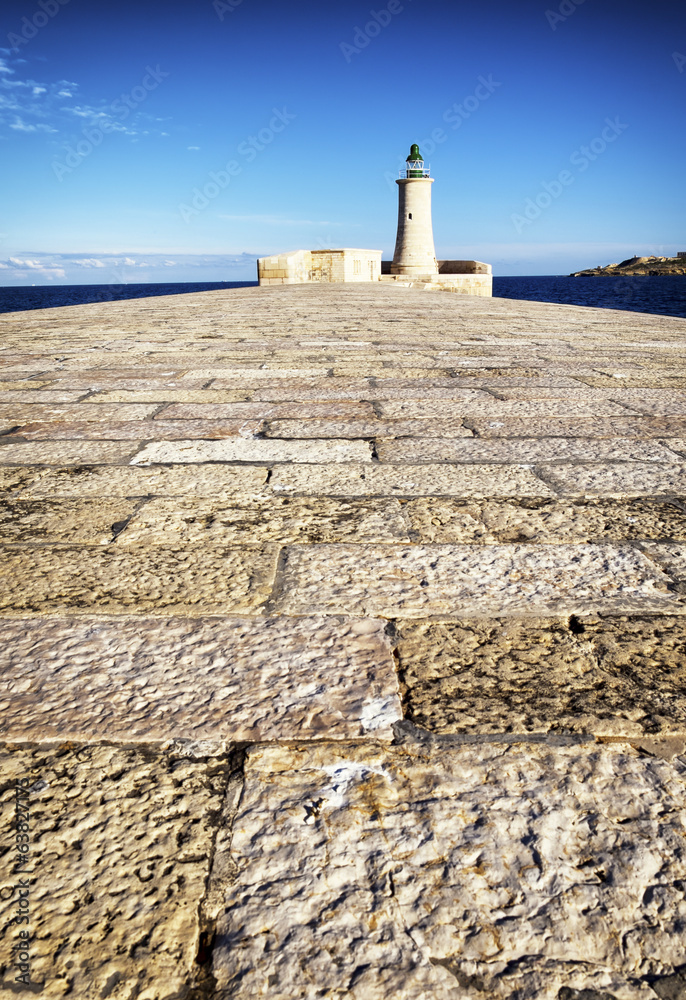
x,y
176,141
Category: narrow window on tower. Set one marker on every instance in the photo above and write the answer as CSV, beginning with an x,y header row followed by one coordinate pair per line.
x,y
409,215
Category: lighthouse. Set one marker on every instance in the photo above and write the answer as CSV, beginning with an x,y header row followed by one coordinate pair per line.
x,y
414,245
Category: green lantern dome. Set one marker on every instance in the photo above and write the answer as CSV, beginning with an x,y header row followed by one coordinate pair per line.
x,y
414,152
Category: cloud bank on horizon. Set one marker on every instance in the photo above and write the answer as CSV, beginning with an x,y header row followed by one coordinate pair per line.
x,y
145,141
123,269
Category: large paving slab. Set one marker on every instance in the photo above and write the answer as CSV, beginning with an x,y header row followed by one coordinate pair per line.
x,y
618,479
121,841
124,481
37,410
546,520
241,450
201,679
408,480
47,521
253,521
599,676
510,451
429,580
448,872
342,647
151,430
66,452
52,579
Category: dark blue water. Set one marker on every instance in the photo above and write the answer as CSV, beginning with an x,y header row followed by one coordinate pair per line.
x,y
48,296
664,295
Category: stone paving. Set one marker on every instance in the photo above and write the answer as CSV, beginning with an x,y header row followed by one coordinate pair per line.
x,y
343,648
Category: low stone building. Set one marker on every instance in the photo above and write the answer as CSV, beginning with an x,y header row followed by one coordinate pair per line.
x,y
299,266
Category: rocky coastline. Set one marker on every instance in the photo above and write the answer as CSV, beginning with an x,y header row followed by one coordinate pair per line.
x,y
637,265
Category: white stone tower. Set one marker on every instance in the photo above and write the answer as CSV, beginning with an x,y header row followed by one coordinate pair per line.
x,y
414,244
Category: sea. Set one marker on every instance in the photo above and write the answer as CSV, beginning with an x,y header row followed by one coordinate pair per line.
x,y
663,295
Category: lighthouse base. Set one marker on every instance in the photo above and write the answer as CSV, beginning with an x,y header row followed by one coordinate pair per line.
x,y
463,284
466,277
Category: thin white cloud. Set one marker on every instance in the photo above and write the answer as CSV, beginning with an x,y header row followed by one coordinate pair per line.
x,y
277,220
22,126
192,147
116,267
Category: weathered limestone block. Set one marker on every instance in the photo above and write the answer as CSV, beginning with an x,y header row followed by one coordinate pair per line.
x,y
642,379
46,521
342,408
29,395
34,411
13,479
150,430
583,427
21,385
252,521
66,452
254,450
581,392
608,677
223,679
141,481
408,480
496,409
618,479
508,870
126,383
121,841
255,376
448,448
370,428
365,389
156,394
162,580
545,520
460,580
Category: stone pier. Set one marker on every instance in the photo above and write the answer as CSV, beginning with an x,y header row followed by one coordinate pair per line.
x,y
343,649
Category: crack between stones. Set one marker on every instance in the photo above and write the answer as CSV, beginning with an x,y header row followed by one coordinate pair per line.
x,y
211,902
160,409
269,606
120,526
540,472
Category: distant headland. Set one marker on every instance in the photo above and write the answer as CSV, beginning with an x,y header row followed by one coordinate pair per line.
x,y
639,265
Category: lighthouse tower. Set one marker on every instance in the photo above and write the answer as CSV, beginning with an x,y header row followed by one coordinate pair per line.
x,y
414,244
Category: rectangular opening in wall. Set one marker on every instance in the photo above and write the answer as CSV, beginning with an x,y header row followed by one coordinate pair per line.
x,y
409,215
357,267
